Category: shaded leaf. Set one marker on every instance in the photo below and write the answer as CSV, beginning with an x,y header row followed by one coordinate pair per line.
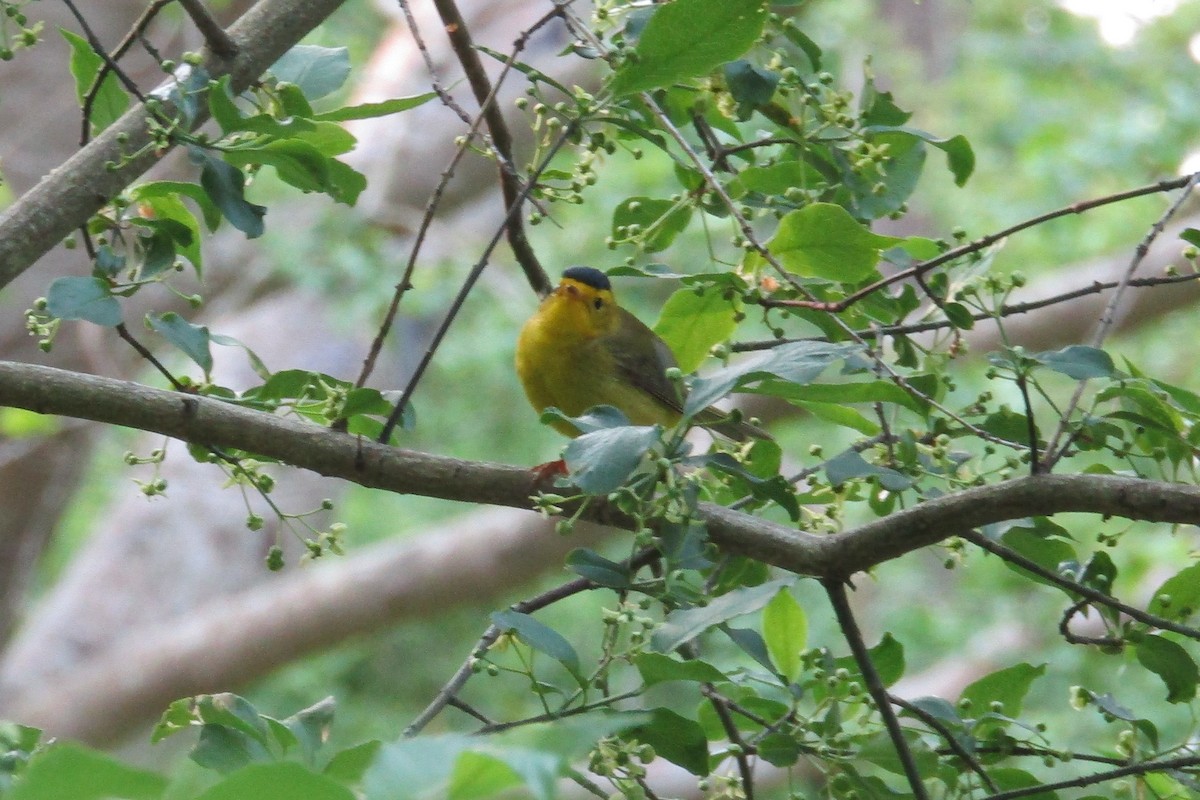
x,y
193,340
1007,687
83,298
1178,598
1078,361
1169,661
602,460
677,739
683,625
658,668
657,222
598,569
540,637
226,187
373,110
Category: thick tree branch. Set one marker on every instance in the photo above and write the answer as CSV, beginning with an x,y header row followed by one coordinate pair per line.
x,y
67,197
327,452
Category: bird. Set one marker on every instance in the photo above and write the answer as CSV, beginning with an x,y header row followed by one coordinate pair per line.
x,y
581,349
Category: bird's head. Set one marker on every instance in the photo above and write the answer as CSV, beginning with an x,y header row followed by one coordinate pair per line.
x,y
583,304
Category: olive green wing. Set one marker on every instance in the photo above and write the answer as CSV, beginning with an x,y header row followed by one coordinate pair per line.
x,y
643,360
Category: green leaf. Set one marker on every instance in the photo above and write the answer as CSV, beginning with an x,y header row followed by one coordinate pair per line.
x,y
83,298
775,179
657,222
110,100
174,219
1178,598
677,739
692,323
478,775
779,749
658,668
193,340
1078,361
851,464
1169,661
775,489
226,187
541,638
316,70
416,767
688,38
960,157
373,110
1011,779
310,727
598,569
897,176
349,765
887,657
157,251
600,461
1007,687
1046,552
282,780
149,192
1191,236
842,415
842,393
73,772
785,630
750,86
684,624
797,362
822,240
297,163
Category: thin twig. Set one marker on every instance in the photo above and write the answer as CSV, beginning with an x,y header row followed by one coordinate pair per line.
x,y
735,738
987,241
1096,287
1030,422
836,589
1108,318
135,33
951,741
1099,777
124,333
477,270
485,95
606,702
99,50
1064,627
1013,557
536,275
457,681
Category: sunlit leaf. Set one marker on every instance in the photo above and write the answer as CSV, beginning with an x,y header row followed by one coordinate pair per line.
x,y
822,240
687,38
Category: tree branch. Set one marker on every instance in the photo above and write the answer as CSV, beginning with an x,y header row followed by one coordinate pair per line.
x,y
220,424
67,197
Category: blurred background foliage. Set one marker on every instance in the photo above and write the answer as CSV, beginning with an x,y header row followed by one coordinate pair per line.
x,y
1056,113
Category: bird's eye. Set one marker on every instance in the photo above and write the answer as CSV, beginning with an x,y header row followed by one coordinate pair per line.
x,y
598,303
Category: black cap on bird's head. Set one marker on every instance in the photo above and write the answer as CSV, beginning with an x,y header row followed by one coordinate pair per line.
x,y
589,276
